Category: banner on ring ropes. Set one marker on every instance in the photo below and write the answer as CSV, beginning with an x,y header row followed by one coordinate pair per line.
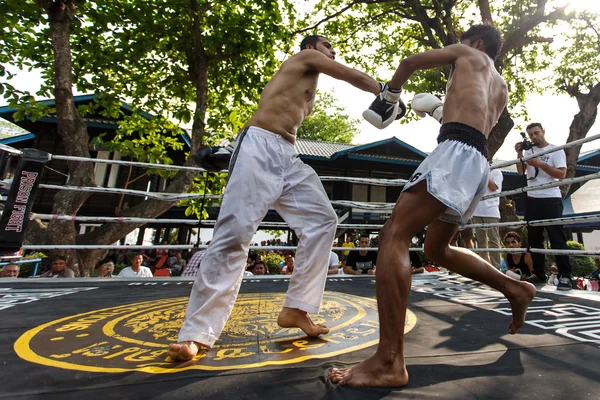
x,y
20,199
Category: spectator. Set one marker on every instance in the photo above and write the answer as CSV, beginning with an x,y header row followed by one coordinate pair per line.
x,y
362,261
488,212
136,270
348,243
193,264
520,264
289,265
106,269
466,234
545,203
58,269
176,264
416,265
334,264
260,268
10,271
596,273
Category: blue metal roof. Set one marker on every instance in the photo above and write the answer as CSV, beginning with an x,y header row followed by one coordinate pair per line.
x,y
358,148
17,139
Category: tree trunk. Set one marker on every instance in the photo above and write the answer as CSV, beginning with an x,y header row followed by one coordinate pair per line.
x,y
71,128
581,125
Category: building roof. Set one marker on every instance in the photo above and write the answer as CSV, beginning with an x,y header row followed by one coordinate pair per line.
x,y
91,121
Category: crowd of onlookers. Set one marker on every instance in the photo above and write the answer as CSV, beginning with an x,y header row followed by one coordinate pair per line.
x,y
164,262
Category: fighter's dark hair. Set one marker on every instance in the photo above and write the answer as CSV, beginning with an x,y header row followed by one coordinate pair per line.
x,y
533,125
490,36
310,39
59,258
512,234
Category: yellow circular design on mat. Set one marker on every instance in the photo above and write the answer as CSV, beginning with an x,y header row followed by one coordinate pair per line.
x,y
135,337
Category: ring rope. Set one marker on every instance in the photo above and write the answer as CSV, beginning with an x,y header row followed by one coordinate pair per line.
x,y
567,181
188,247
541,153
208,222
153,195
368,181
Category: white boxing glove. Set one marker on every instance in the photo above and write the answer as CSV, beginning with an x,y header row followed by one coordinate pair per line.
x,y
427,104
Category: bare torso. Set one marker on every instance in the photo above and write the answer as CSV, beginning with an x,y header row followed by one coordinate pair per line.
x,y
476,93
287,99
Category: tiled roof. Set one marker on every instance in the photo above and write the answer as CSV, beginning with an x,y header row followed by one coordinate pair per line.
x,y
319,149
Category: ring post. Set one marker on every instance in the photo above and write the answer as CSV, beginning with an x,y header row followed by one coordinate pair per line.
x,y
20,199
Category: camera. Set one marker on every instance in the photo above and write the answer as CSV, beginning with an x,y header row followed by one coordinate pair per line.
x,y
526,144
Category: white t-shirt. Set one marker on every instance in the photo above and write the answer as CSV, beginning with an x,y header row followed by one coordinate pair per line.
x,y
144,272
490,207
333,260
556,159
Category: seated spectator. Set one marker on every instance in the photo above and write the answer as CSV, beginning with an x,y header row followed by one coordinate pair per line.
x,y
176,264
58,269
416,266
259,268
10,271
334,264
596,273
289,265
519,263
106,269
136,270
362,261
194,264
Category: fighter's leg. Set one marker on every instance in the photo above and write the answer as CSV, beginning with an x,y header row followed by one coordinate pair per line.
x,y
467,263
220,274
415,209
305,207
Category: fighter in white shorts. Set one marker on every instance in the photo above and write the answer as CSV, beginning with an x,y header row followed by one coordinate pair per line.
x,y
441,195
265,173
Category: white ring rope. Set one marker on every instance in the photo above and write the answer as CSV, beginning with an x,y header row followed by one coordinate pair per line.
x,y
568,181
541,153
205,222
131,163
153,195
283,248
208,222
367,181
9,149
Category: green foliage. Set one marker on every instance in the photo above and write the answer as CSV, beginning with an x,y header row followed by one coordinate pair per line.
x,y
328,122
273,232
582,266
272,261
379,34
578,71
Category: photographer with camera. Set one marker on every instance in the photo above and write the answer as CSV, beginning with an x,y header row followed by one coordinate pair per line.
x,y
544,203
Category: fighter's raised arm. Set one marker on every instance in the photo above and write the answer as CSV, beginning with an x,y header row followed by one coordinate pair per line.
x,y
314,60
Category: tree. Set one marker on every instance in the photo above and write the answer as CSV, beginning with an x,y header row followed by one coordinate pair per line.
x,y
162,57
381,32
578,77
328,122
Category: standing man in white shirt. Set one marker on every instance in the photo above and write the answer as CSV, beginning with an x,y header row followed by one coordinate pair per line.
x,y
488,212
545,203
136,270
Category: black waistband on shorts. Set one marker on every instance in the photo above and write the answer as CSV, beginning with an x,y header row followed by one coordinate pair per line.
x,y
465,134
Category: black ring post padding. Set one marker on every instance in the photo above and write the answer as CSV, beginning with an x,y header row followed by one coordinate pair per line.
x,y
21,195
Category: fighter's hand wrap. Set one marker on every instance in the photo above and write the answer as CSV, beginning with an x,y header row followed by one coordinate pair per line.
x,y
213,159
386,108
513,275
427,104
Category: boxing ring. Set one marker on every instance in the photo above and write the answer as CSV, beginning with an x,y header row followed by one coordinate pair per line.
x,y
107,338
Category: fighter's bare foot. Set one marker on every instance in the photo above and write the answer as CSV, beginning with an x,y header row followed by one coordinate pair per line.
x,y
372,373
520,295
183,351
296,318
